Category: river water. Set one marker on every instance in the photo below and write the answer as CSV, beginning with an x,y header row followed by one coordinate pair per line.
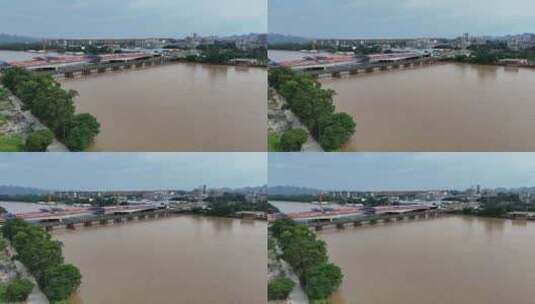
x,y
463,260
449,107
178,107
10,56
184,259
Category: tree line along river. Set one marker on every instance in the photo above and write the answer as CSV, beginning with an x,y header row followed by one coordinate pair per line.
x,y
184,259
176,107
445,107
454,259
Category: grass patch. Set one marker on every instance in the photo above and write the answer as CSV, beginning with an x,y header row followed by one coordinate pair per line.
x,y
5,104
274,142
3,120
3,289
11,143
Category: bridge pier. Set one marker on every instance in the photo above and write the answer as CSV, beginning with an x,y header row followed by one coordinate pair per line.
x,y
139,64
68,75
354,72
400,218
49,228
103,222
127,66
357,223
70,227
88,224
141,217
369,70
340,226
387,220
101,70
86,72
116,68
118,220
129,218
412,217
318,227
336,75
373,222
384,68
395,66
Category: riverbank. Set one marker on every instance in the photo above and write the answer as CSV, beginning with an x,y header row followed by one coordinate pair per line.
x,y
307,255
17,123
10,268
282,119
278,268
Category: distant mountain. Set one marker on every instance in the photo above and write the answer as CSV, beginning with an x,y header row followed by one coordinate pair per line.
x,y
17,190
6,38
250,36
274,38
291,190
258,189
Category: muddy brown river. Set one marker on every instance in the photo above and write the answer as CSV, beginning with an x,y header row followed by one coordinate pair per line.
x,y
448,107
184,259
463,260
177,107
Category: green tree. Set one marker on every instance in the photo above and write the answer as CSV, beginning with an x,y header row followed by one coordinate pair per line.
x,y
38,141
293,140
82,131
61,281
335,130
18,290
322,280
280,288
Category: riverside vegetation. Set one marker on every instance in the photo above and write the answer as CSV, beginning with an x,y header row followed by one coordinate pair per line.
x,y
315,108
44,259
308,257
54,107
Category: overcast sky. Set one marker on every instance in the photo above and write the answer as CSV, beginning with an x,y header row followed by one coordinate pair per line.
x,y
132,171
401,171
131,18
400,18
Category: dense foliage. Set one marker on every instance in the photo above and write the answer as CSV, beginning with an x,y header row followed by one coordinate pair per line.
x,y
54,106
38,141
223,53
308,257
18,290
43,257
280,288
314,107
293,139
499,205
492,52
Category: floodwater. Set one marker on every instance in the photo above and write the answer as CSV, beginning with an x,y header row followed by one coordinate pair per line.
x,y
10,56
184,259
463,260
447,107
177,107
22,207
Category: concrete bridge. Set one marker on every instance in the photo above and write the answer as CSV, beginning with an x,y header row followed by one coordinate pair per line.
x,y
105,219
342,223
72,71
337,71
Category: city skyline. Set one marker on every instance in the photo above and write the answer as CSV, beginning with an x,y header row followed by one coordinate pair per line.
x,y
402,171
402,19
133,171
131,18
